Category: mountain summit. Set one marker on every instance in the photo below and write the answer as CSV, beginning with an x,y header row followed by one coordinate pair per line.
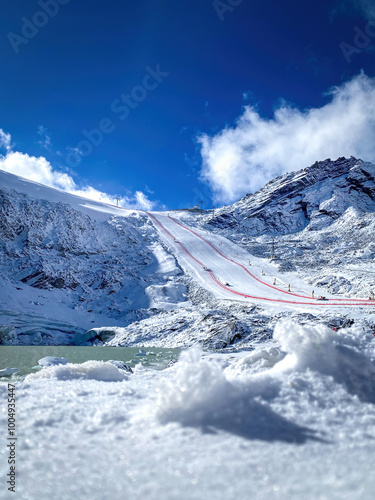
x,y
312,198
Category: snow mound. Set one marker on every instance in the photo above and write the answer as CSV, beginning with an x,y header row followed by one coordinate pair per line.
x,y
200,395
198,386
320,349
256,361
52,361
90,370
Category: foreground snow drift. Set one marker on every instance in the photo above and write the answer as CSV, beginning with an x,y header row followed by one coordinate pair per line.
x,y
293,419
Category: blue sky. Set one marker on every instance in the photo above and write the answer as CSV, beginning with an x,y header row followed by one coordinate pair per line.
x,y
204,127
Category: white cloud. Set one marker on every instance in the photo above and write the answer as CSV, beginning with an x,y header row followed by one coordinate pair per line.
x,y
242,159
45,139
248,95
40,170
35,169
5,140
143,201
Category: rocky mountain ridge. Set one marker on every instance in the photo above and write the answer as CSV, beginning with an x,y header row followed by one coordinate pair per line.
x,y
66,267
312,198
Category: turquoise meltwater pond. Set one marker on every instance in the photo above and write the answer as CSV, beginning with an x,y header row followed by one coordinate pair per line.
x,y
25,358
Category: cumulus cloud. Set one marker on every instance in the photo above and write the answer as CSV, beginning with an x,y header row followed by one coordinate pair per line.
x,y
243,158
143,201
40,170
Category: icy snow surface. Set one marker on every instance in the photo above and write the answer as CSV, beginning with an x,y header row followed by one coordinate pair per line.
x,y
281,422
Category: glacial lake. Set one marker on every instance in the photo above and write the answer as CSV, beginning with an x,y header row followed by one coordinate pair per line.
x,y
25,358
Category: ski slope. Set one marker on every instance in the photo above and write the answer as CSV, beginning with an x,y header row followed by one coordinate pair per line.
x,y
230,278
97,210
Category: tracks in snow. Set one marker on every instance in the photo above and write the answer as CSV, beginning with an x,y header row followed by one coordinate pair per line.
x,y
222,262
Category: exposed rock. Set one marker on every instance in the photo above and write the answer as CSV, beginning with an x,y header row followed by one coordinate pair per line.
x,y
313,197
121,365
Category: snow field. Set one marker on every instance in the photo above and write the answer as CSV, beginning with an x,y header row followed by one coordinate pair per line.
x,y
280,422
227,278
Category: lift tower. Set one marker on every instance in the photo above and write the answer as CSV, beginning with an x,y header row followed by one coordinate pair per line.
x,y
273,256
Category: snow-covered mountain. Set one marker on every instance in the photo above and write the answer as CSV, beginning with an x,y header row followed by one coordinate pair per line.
x,y
312,198
73,270
69,264
320,221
